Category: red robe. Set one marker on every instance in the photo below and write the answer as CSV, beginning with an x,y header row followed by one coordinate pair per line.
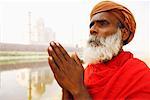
x,y
124,77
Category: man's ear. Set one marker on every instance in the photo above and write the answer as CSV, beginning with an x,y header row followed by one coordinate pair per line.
x,y
125,34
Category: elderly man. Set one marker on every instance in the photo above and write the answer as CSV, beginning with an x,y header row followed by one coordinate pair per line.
x,y
112,73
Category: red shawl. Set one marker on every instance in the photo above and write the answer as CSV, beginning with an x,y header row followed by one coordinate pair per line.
x,y
124,77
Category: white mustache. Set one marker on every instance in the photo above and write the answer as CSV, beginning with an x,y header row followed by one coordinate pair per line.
x,y
94,40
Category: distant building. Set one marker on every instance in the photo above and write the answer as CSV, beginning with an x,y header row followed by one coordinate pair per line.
x,y
41,34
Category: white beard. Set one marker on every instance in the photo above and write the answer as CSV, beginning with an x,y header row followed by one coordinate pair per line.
x,y
100,49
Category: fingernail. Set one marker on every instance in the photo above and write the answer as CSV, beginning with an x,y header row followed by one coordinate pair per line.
x,y
52,43
50,48
57,43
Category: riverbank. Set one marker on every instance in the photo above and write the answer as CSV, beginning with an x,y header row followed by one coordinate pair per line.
x,y
9,67
15,57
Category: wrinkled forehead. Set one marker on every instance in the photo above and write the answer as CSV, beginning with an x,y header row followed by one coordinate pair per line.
x,y
104,16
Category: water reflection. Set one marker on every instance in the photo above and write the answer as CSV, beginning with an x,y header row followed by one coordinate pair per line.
x,y
29,84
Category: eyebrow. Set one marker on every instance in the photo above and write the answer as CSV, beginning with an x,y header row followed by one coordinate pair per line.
x,y
100,20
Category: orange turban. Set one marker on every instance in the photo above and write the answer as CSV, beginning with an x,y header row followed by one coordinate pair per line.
x,y
122,14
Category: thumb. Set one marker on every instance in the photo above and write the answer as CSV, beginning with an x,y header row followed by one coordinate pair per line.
x,y
76,58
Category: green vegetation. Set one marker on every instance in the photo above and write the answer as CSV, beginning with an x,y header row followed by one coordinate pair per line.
x,y
14,57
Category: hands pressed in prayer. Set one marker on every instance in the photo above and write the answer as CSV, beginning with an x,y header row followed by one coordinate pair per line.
x,y
68,72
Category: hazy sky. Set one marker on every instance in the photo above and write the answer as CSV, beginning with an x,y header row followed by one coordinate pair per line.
x,y
69,19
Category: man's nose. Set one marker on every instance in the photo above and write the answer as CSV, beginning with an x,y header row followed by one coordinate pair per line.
x,y
93,30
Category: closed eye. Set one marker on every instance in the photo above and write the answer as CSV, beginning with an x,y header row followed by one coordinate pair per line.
x,y
103,22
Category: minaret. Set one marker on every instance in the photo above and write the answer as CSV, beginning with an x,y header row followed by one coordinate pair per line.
x,y
29,23
0,34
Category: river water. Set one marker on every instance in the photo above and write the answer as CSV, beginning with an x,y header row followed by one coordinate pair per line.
x,y
34,83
